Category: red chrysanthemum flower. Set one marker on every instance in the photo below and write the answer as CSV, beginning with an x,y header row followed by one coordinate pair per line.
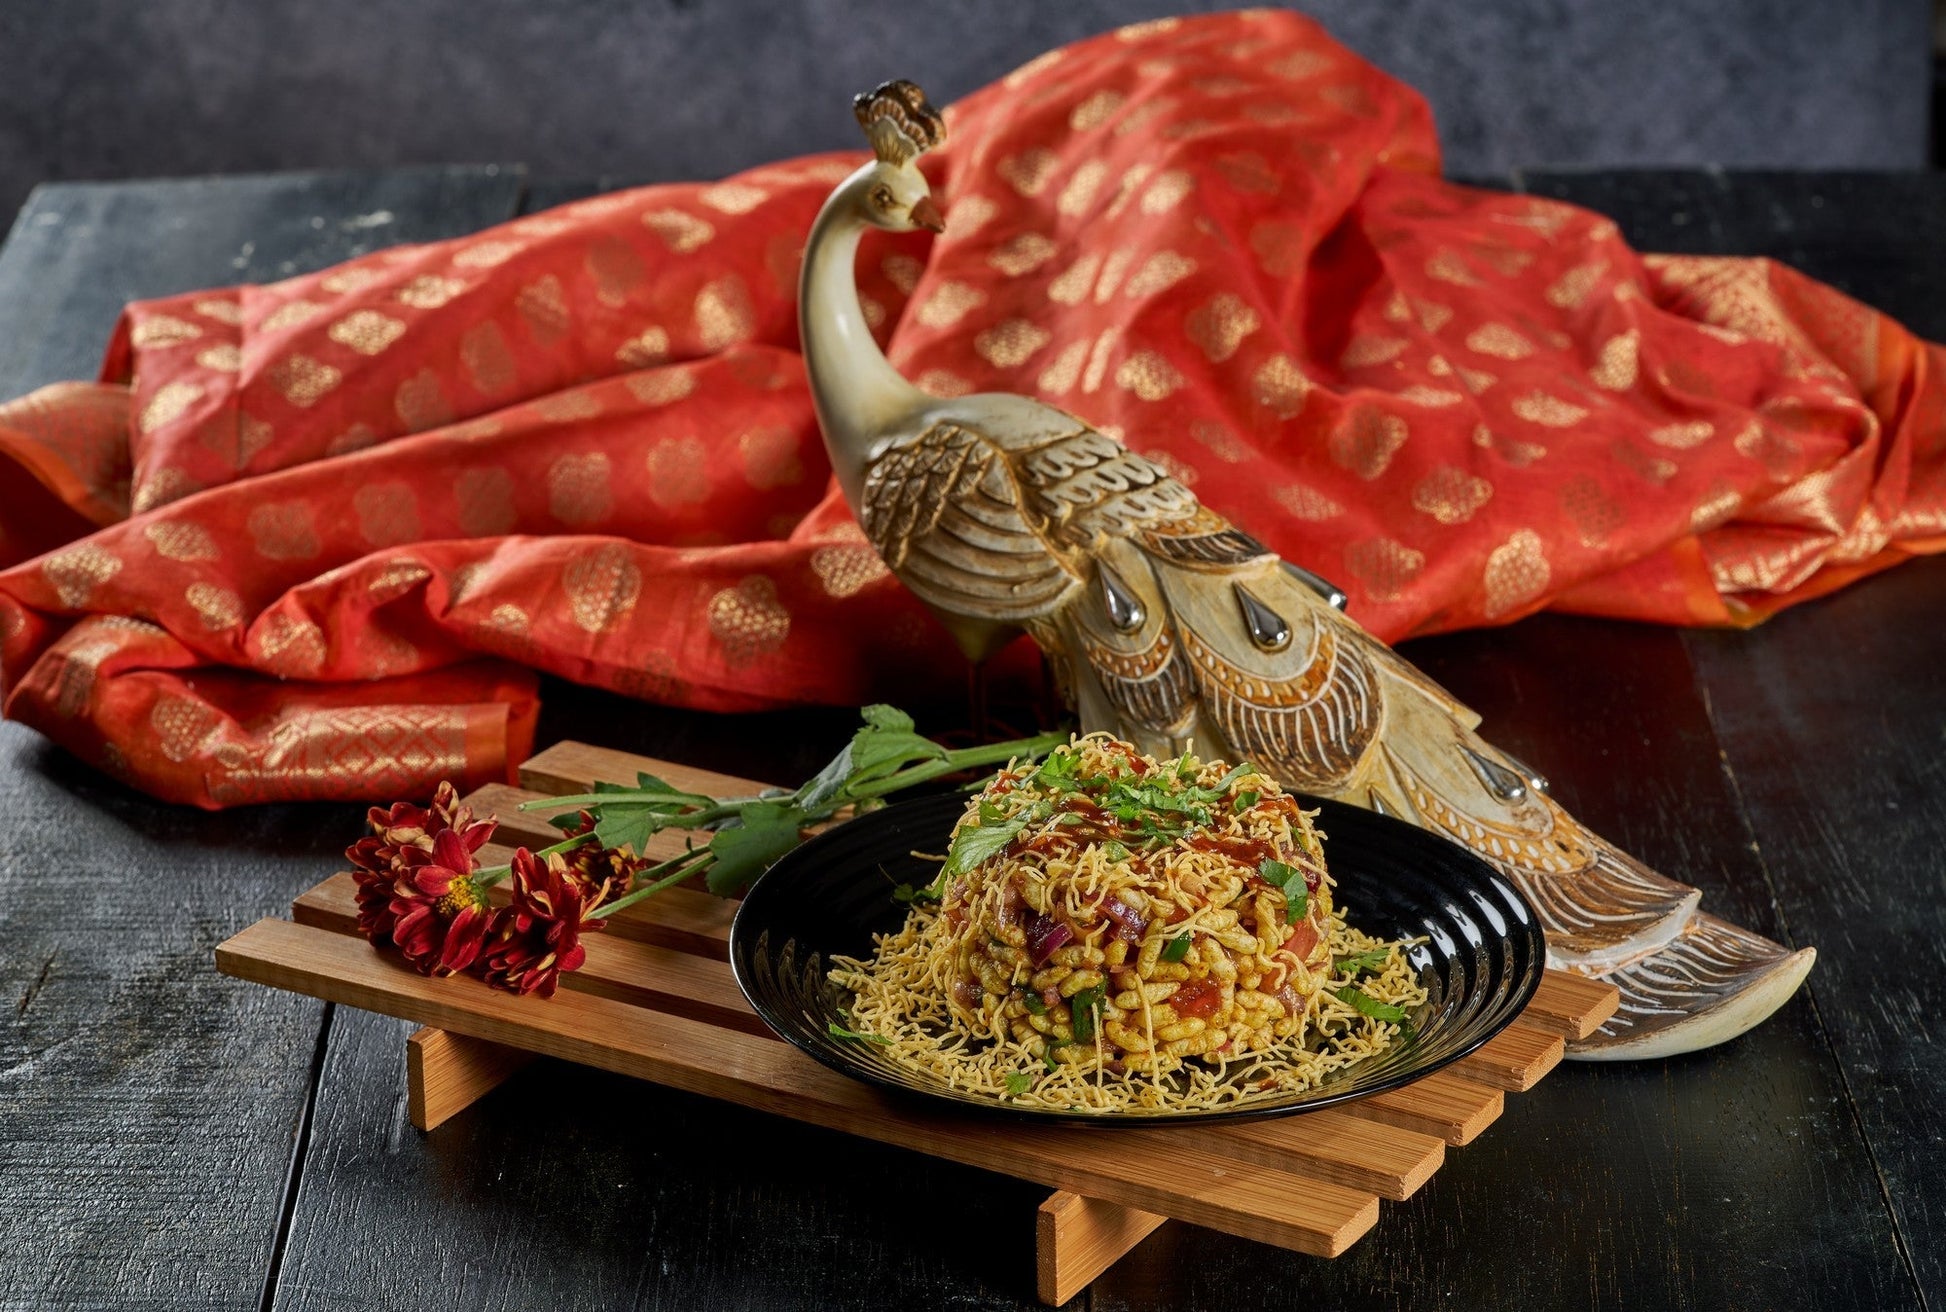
x,y
401,841
440,911
605,873
537,937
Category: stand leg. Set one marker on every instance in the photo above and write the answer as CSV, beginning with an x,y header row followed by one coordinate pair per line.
x,y
447,1073
1076,1239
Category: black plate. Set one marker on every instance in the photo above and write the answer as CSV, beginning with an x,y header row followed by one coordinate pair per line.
x,y
1481,962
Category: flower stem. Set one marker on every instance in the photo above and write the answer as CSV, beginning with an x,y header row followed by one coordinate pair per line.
x,y
703,861
964,759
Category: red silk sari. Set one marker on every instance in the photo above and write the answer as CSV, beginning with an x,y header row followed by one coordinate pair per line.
x,y
308,540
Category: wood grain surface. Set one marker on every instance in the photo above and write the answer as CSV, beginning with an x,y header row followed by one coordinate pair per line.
x,y
149,1108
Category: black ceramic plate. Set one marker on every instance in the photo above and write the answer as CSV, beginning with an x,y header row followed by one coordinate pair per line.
x,y
1481,962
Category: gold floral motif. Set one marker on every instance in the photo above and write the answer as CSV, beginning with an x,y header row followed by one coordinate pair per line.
x,y
395,578
1158,274
1022,254
1593,512
217,606
1008,345
1548,411
289,315
770,457
678,472
1218,440
222,358
1615,367
485,499
78,663
1097,367
1476,380
353,278
290,645
1653,468
1499,341
724,315
1249,171
168,404
617,269
366,331
1168,190
1073,284
681,233
661,386
508,618
1573,287
76,571
1683,437
486,254
1095,110
1132,178
579,489
1717,506
902,271
302,380
1385,567
1219,326
1029,171
1451,495
543,307
1517,454
846,568
645,350
388,513
567,407
949,303
1366,440
748,620
181,540
1432,315
942,383
1148,375
488,361
162,330
1369,349
1307,503
1060,376
1080,191
1516,572
282,530
1279,247
1447,266
1148,27
972,213
429,292
160,487
732,197
1433,398
1280,386
1352,98
421,403
602,587
225,312
182,727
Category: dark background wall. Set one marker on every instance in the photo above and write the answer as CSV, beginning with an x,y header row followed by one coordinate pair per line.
x,y
691,88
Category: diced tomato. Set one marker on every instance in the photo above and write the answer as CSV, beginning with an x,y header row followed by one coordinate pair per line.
x,y
1197,999
1303,938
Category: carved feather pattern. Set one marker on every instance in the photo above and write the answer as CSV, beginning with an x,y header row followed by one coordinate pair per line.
x,y
1151,687
1312,727
1205,541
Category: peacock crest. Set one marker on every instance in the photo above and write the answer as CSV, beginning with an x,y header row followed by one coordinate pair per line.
x,y
900,121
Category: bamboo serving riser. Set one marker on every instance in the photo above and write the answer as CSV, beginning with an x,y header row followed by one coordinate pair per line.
x,y
656,1000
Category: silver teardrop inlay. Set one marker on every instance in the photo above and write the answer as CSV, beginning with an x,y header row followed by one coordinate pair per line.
x,y
1505,784
1124,607
1377,802
1268,629
1535,780
1334,596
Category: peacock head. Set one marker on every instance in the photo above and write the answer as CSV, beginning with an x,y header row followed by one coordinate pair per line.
x,y
902,125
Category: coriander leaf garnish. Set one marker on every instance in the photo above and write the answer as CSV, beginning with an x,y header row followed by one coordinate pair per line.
x,y
1084,1005
1290,880
1244,801
972,846
838,1031
1360,963
1362,1001
1018,1083
1175,949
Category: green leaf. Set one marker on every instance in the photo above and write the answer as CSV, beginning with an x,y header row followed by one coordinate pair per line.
x,y
1047,1056
1360,963
1176,949
880,716
1034,1004
1244,801
1114,851
630,826
906,894
1083,1006
838,1031
972,846
763,832
1371,1006
1290,879
1018,1083
1223,784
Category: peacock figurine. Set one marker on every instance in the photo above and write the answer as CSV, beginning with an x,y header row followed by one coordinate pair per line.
x,y
1170,627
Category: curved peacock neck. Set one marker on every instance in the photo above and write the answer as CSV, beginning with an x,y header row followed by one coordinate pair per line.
x,y
858,394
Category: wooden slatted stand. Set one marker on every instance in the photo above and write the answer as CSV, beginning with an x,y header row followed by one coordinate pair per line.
x,y
656,1000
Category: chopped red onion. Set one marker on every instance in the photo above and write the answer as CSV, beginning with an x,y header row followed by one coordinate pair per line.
x,y
1044,935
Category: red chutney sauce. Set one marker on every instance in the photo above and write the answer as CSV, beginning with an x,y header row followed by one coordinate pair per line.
x,y
1197,999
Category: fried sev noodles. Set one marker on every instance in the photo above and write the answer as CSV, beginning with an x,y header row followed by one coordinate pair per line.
x,y
1113,933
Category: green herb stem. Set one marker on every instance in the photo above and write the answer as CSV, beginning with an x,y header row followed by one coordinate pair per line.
x,y
964,759
702,862
489,877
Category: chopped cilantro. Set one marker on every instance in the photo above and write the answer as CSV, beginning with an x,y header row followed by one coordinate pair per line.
x,y
1291,880
1369,1005
1018,1083
972,846
1244,801
1361,963
840,1032
1083,1006
1176,949
1032,1001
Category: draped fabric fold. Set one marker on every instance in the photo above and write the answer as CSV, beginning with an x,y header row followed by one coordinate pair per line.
x,y
310,540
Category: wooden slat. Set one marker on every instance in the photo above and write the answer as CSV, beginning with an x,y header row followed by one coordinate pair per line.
x,y
1076,1239
1515,1059
1572,1005
1333,1145
516,828
447,1073
1155,1175
571,767
1442,1105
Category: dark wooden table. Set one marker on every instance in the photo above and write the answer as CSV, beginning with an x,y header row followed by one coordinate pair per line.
x,y
172,1139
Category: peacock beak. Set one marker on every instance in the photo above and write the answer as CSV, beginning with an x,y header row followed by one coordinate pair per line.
x,y
925,214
